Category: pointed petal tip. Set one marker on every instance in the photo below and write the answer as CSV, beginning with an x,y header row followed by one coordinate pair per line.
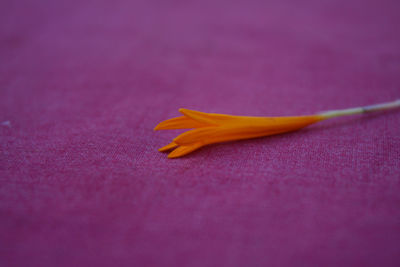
x,y
172,156
202,117
183,150
182,110
159,126
187,112
168,147
183,122
175,154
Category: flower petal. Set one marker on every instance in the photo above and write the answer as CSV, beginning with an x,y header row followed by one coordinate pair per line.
x,y
198,116
195,135
213,128
243,129
168,147
220,132
179,123
183,150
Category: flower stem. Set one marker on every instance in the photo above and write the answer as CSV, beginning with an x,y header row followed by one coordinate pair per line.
x,y
359,110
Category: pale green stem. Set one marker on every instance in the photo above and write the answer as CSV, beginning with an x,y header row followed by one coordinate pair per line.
x,y
359,110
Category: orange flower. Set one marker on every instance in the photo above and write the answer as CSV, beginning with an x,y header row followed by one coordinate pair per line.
x,y
212,128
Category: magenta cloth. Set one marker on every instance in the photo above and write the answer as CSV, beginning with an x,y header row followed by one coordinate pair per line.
x,y
83,83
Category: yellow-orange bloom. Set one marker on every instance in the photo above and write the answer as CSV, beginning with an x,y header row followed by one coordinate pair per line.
x,y
210,128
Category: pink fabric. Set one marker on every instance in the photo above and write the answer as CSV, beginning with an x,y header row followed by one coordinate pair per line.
x,y
83,83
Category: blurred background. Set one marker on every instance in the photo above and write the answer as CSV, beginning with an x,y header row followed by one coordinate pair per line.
x,y
83,83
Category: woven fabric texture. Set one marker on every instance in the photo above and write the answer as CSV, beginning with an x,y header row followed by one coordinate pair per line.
x,y
83,83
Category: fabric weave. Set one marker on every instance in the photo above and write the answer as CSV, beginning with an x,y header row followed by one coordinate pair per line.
x,y
83,84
